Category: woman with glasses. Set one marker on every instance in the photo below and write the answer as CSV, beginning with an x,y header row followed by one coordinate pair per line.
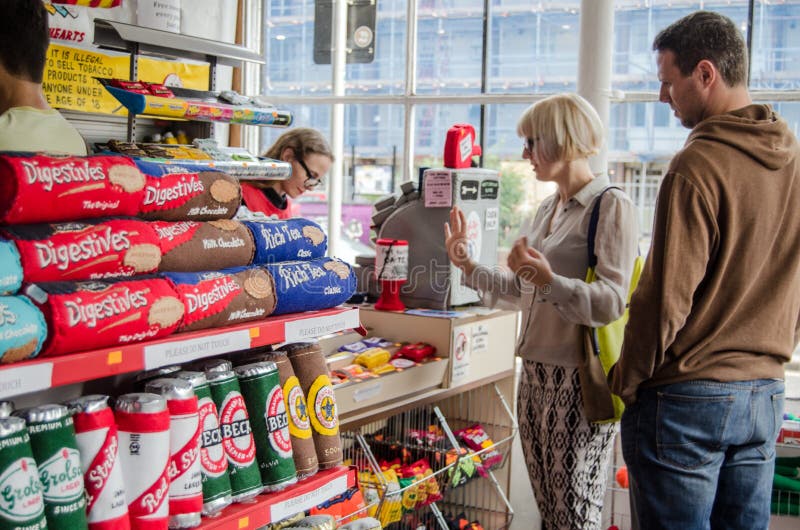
x,y
567,456
310,156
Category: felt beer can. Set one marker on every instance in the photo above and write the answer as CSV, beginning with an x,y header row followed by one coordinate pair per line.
x,y
142,378
237,436
263,396
312,373
6,408
303,450
98,444
55,449
143,424
185,482
216,483
22,499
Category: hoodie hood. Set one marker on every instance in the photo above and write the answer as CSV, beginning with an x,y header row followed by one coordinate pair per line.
x,y
755,130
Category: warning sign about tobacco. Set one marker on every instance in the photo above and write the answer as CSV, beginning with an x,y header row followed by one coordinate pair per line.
x,y
69,79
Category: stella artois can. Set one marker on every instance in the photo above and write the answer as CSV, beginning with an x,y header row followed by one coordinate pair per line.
x,y
21,495
6,408
185,482
237,438
143,424
263,396
213,460
98,444
55,450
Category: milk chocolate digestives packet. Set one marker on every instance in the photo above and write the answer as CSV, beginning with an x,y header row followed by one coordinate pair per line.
x,y
96,314
187,192
222,298
191,246
86,250
42,188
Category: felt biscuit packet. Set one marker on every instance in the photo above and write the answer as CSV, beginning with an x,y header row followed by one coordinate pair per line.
x,y
96,314
87,250
44,188
187,192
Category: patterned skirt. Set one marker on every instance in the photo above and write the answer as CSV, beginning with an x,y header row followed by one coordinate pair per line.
x,y
567,457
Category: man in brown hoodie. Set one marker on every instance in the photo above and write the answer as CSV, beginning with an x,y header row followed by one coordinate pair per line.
x,y
717,309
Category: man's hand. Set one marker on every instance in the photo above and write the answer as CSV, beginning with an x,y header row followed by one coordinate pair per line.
x,y
455,241
529,264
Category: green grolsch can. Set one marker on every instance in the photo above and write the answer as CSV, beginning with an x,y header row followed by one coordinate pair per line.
x,y
22,498
237,436
263,395
55,450
213,460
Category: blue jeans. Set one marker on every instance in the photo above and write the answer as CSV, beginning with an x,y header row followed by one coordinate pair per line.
x,y
701,454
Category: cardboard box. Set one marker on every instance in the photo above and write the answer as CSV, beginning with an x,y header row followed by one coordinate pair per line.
x,y
478,342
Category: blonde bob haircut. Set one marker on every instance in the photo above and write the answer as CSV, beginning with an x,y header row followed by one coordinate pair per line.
x,y
564,127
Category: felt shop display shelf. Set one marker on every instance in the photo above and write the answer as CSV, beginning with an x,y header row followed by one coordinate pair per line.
x,y
197,106
42,373
274,507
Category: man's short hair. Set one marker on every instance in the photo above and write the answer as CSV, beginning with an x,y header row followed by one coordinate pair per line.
x,y
24,37
563,127
706,35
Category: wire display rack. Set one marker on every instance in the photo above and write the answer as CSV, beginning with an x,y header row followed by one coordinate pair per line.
x,y
456,483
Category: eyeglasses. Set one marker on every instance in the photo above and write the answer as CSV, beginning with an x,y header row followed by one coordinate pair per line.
x,y
529,144
311,181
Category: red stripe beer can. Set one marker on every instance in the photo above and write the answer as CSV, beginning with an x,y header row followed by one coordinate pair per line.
x,y
98,444
185,481
143,424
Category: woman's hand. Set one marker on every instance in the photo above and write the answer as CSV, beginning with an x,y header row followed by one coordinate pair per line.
x,y
455,241
529,264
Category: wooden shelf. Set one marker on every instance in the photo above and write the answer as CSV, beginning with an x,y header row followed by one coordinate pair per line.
x,y
46,372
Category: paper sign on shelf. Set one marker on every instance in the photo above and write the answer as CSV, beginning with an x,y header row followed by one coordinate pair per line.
x,y
438,189
69,82
480,339
16,380
303,329
461,354
287,508
182,351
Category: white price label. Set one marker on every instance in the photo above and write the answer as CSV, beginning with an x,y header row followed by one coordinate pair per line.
x,y
301,503
363,394
308,328
182,351
23,379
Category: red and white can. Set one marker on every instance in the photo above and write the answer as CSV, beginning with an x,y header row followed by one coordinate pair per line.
x,y
98,444
143,424
186,485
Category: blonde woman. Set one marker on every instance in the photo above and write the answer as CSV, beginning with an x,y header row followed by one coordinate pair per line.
x,y
310,156
567,456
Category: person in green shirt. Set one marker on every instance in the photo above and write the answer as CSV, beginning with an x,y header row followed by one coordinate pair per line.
x,y
27,122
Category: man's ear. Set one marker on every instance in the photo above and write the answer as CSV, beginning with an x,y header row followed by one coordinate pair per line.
x,y
706,72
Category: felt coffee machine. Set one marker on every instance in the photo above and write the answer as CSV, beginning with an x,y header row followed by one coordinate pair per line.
x,y
309,364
